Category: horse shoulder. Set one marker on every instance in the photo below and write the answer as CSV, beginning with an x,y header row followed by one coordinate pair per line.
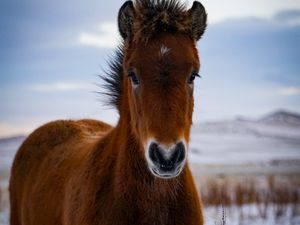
x,y
59,132
46,160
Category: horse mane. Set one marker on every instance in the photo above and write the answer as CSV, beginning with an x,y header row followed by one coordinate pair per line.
x,y
152,17
113,79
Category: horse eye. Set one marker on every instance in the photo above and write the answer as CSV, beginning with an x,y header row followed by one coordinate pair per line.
x,y
134,78
192,77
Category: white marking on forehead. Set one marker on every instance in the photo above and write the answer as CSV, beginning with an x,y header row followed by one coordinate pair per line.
x,y
164,50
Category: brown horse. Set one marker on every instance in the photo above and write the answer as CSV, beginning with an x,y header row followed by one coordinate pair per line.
x,y
88,173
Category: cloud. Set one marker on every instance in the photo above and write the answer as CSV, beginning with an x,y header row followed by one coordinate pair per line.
x,y
289,91
106,33
106,37
289,17
60,86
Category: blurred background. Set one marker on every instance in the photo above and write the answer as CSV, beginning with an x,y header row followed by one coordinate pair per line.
x,y
246,133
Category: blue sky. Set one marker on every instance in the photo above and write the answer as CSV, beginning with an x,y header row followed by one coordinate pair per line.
x,y
52,51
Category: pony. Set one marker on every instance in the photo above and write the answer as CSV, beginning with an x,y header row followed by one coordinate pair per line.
x,y
87,172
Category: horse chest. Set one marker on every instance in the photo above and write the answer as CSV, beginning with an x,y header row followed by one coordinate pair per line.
x,y
146,211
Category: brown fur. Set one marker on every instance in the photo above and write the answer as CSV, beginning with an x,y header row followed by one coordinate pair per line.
x,y
87,173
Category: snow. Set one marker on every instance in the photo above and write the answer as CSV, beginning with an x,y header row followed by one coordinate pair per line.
x,y
244,142
281,117
240,149
275,137
4,217
8,148
272,143
249,215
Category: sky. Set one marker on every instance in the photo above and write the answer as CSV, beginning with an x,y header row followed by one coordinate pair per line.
x,y
51,53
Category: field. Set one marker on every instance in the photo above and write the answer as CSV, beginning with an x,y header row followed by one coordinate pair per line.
x,y
251,200
248,172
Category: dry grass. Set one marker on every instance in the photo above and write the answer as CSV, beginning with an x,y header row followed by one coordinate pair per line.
x,y
4,202
227,191
1,207
279,195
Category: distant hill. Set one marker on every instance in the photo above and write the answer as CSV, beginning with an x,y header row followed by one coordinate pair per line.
x,y
12,139
278,124
275,136
281,117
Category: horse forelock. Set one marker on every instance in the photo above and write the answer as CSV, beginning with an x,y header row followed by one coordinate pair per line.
x,y
156,16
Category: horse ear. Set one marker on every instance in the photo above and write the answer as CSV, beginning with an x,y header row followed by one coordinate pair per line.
x,y
125,19
199,17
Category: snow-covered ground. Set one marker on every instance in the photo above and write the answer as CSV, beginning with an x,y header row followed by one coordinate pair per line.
x,y
271,140
8,149
4,217
267,145
241,149
247,142
233,216
249,215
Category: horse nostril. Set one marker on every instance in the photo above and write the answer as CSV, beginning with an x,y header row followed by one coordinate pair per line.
x,y
167,159
179,153
155,154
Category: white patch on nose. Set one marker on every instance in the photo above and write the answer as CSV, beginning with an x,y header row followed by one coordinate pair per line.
x,y
164,50
166,148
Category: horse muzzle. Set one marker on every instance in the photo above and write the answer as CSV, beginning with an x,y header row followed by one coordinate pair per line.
x,y
166,162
